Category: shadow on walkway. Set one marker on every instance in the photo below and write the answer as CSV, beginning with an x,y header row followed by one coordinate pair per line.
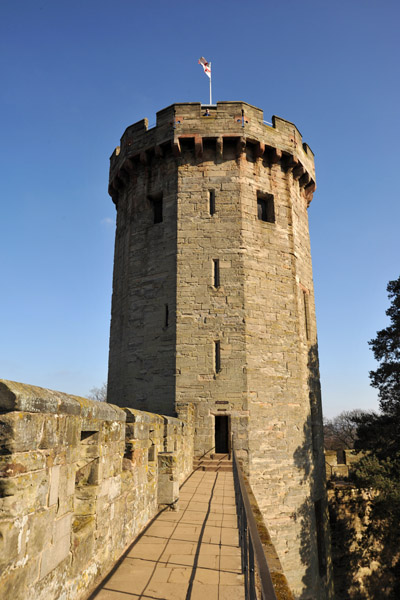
x,y
191,554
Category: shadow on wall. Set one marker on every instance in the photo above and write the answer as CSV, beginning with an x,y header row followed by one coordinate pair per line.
x,y
313,513
360,544
346,552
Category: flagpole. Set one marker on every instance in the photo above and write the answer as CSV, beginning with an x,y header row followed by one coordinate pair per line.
x,y
210,87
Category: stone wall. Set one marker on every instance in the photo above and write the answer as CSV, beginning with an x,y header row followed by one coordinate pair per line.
x,y
357,574
78,481
339,463
144,289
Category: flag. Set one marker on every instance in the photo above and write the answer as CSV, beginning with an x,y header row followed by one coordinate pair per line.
x,y
206,66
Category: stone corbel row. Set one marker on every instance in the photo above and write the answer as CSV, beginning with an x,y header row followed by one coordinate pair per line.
x,y
289,162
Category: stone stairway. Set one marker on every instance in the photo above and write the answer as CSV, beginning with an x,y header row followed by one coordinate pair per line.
x,y
221,463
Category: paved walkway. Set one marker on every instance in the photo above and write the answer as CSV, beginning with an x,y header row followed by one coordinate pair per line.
x,y
191,554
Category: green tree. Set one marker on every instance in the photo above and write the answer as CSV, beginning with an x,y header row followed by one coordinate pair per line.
x,y
378,435
386,349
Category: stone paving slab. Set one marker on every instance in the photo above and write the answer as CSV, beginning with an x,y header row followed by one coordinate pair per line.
x,y
190,554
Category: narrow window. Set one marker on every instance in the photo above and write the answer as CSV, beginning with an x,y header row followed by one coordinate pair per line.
x,y
217,356
306,314
166,321
265,207
157,205
151,453
319,514
216,272
211,199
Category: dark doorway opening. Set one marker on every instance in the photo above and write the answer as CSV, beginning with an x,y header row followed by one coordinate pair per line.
x,y
222,434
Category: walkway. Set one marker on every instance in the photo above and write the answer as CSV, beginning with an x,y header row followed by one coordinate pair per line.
x,y
191,554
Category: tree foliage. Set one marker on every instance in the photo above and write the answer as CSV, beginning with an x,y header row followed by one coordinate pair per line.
x,y
378,435
386,349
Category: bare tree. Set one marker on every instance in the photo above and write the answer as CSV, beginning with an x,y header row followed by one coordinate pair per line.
x,y
99,393
340,433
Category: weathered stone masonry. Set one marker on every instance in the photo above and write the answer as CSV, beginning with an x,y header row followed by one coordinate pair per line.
x,y
213,305
78,481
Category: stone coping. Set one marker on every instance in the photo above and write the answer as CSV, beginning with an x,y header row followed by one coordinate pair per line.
x,y
135,415
23,397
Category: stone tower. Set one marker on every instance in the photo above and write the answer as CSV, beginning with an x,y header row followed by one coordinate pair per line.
x,y
213,305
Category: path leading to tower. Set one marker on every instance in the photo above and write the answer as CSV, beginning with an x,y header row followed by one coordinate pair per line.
x,y
191,554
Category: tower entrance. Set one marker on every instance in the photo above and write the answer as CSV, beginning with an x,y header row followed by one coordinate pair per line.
x,y
222,434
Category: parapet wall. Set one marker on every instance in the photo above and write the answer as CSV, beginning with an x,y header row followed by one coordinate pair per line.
x,y
222,124
339,464
78,481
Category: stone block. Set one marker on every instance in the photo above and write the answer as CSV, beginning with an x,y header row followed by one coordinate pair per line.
x,y
89,451
67,481
21,462
167,491
111,487
28,398
14,584
23,494
51,434
54,554
40,526
62,527
85,500
168,479
20,432
72,431
65,504
54,473
84,545
12,541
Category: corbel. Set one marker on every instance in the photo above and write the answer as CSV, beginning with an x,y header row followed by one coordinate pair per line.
x,y
298,171
219,146
123,175
198,146
176,146
241,146
304,179
128,164
290,162
260,149
276,156
309,191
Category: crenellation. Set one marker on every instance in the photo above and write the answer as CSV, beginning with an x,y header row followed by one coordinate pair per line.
x,y
224,134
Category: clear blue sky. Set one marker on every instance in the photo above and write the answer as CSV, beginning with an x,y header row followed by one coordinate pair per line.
x,y
75,74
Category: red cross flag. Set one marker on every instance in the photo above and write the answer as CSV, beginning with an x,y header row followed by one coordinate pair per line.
x,y
206,66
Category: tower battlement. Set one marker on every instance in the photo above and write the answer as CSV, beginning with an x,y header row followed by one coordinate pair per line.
x,y
193,125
